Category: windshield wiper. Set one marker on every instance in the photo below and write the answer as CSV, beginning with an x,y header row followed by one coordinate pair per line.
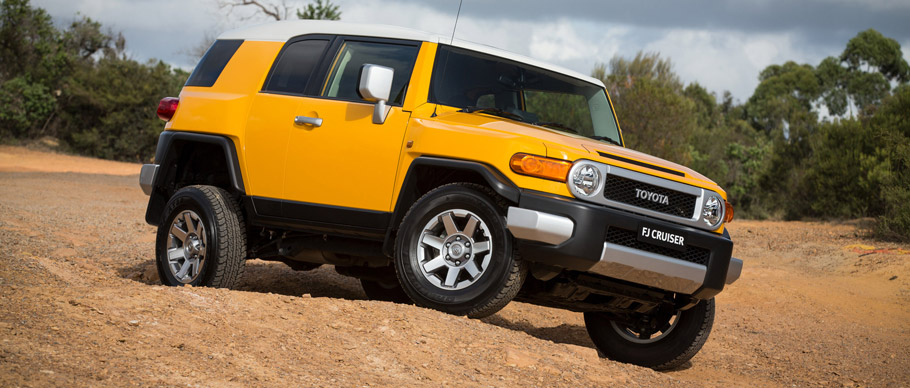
x,y
555,125
606,139
492,111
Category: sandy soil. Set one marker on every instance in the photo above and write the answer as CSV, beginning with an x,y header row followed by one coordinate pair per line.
x,y
818,304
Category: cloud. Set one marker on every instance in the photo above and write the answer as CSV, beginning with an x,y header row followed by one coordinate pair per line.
x,y
822,19
722,45
562,42
727,60
161,29
510,35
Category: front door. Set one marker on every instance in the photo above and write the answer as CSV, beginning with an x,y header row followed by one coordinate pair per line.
x,y
348,161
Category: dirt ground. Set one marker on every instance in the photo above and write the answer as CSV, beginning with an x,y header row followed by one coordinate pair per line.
x,y
818,304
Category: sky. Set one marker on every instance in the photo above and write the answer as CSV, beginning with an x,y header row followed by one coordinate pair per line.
x,y
723,45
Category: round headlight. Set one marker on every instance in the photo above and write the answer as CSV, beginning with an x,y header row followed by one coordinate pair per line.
x,y
712,211
586,179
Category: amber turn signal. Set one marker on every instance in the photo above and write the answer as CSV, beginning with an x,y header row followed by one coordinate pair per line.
x,y
728,212
540,167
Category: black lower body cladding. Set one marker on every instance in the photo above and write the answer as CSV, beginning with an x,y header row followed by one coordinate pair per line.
x,y
584,249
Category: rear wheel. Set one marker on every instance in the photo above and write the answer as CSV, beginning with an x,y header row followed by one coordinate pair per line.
x,y
660,341
453,252
201,241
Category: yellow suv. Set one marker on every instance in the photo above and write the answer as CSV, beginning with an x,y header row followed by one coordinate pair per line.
x,y
448,174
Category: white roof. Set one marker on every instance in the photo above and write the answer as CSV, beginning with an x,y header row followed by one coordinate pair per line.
x,y
287,29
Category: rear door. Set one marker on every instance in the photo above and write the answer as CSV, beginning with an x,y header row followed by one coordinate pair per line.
x,y
271,118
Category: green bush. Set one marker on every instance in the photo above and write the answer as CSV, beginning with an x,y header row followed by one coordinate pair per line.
x,y
109,109
24,108
77,84
890,127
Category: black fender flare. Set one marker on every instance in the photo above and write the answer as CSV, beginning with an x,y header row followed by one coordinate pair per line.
x,y
493,177
166,156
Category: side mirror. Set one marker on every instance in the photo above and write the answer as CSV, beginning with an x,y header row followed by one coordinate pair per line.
x,y
375,86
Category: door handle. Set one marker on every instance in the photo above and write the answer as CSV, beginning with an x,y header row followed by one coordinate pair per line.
x,y
305,120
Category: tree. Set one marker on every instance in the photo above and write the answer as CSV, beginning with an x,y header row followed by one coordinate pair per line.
x,y
24,108
320,11
270,9
644,65
863,74
860,167
656,118
890,127
78,85
870,50
32,64
782,101
280,10
109,108
29,44
273,10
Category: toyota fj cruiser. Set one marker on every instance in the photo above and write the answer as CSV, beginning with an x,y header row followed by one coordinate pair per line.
x,y
450,174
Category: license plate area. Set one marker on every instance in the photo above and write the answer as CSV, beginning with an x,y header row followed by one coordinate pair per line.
x,y
662,237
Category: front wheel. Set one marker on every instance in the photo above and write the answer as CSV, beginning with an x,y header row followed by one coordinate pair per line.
x,y
660,341
454,254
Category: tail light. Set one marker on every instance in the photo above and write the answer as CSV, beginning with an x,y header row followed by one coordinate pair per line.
x,y
167,107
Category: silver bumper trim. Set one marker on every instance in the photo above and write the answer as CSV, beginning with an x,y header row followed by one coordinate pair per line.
x,y
539,226
735,270
649,269
147,177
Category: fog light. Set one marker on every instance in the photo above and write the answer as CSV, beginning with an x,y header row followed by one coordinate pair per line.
x,y
586,179
712,211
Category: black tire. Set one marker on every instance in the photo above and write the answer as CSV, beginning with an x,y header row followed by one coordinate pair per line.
x,y
669,351
385,291
223,240
478,295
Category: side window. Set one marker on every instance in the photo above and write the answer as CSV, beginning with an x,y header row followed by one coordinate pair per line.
x,y
294,65
213,62
344,77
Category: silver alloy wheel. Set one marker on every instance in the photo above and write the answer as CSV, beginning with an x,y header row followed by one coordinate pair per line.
x,y
186,245
454,249
632,336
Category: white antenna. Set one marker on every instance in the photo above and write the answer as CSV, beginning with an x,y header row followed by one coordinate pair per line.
x,y
451,41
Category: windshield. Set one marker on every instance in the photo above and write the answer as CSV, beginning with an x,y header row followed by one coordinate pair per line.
x,y
487,84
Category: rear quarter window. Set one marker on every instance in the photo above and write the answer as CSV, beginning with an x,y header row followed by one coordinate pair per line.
x,y
213,62
294,65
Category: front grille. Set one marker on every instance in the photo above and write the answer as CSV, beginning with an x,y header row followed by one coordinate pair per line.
x,y
621,189
628,238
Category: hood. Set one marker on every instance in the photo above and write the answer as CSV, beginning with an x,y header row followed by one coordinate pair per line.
x,y
636,157
593,149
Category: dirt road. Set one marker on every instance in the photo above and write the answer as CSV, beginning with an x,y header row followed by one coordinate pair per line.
x,y
818,305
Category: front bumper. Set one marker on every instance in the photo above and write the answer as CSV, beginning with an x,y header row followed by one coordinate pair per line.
x,y
578,236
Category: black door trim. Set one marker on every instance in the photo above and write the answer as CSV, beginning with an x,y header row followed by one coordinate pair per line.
x,y
306,216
